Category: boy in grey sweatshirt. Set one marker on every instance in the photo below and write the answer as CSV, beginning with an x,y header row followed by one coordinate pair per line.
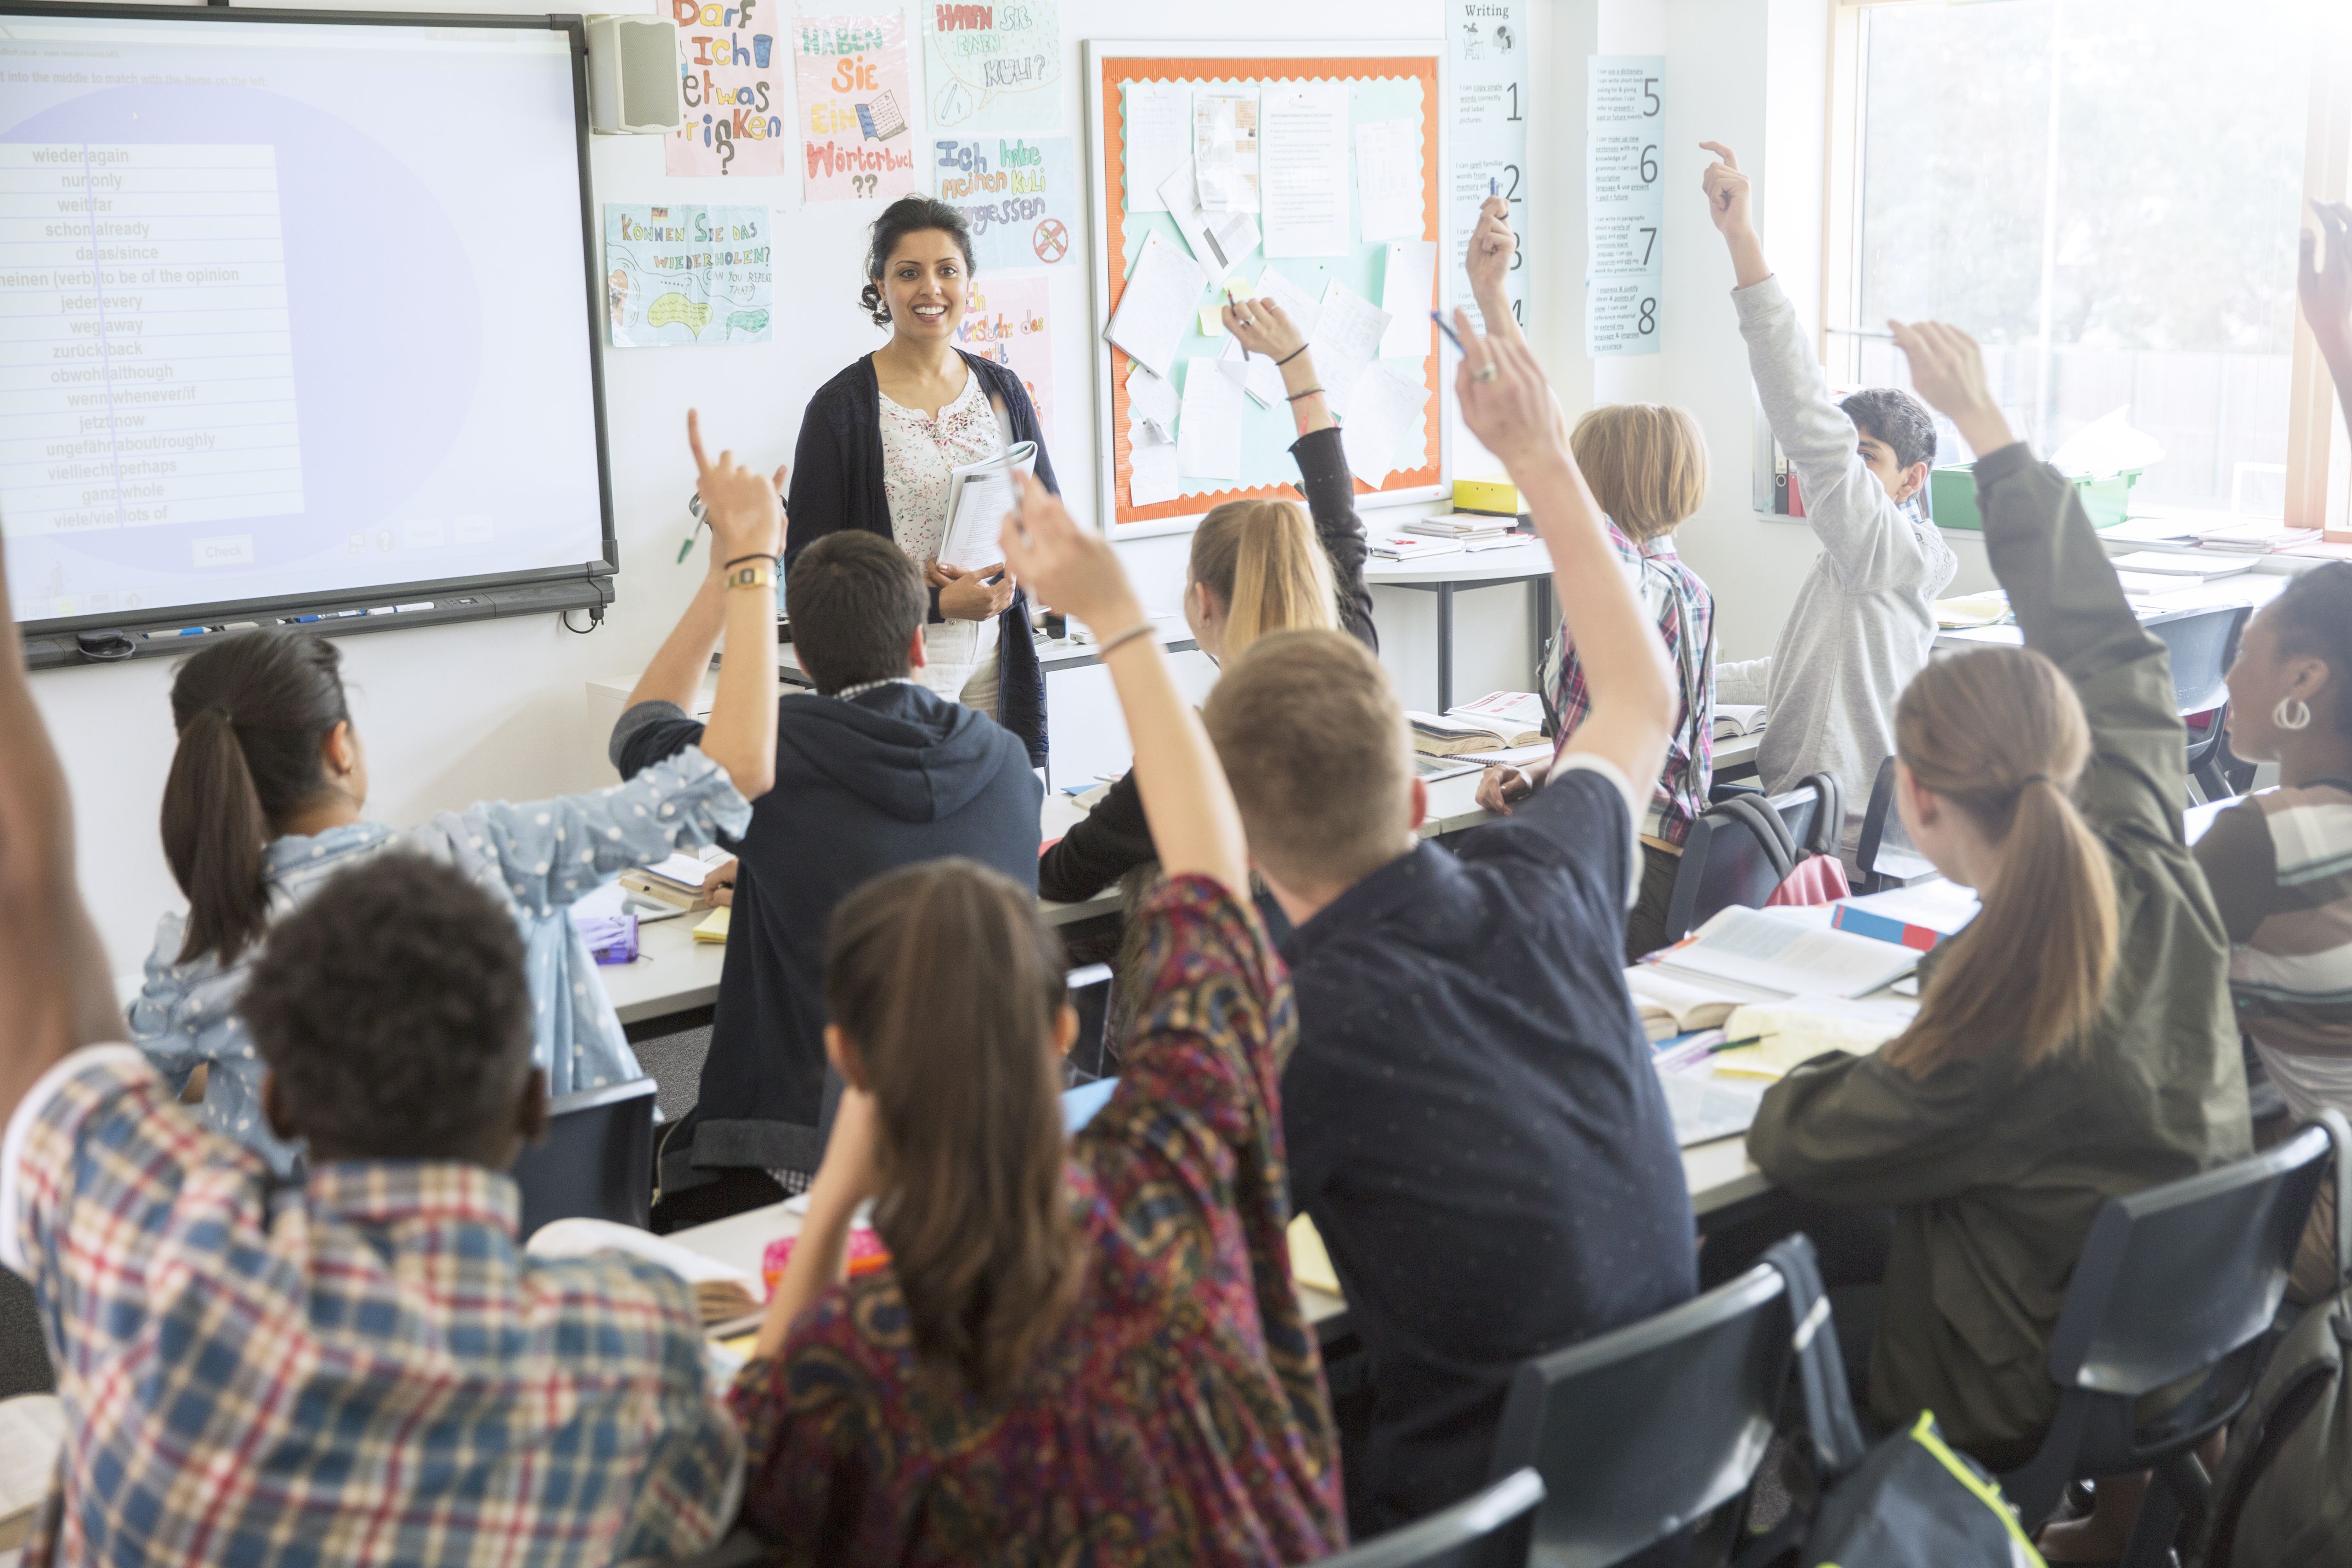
x,y
1864,621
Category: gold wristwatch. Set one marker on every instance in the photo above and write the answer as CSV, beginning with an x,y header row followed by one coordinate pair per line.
x,y
760,573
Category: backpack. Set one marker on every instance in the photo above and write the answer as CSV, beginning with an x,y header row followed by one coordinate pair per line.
x,y
1909,1500
2283,1497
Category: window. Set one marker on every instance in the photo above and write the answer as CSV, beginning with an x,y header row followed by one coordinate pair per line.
x,y
2106,193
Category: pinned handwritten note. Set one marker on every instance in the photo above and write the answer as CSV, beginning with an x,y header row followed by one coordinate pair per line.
x,y
854,93
1345,339
1306,169
1387,414
994,67
1388,179
1158,304
1224,151
1209,431
1408,289
1159,140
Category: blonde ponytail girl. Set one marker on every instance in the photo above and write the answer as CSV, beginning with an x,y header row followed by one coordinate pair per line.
x,y
1262,559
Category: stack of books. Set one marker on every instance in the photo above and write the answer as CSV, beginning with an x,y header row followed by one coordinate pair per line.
x,y
1461,527
1411,546
677,882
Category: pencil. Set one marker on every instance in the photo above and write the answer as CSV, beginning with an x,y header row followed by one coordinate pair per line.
x,y
1448,331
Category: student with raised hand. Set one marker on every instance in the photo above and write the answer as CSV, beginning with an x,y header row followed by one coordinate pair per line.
x,y
266,799
1472,1117
2075,1042
2325,290
365,1370
1864,620
1256,566
873,771
1084,1349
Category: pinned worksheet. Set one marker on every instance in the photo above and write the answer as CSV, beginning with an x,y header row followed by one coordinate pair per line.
x,y
1386,410
1152,475
1209,430
1219,240
1158,304
1388,179
1305,168
1346,339
1224,152
1408,287
1261,377
1159,140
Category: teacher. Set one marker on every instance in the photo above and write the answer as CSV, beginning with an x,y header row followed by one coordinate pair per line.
x,y
879,440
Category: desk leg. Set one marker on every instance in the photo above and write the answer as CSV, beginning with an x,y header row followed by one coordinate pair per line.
x,y
1445,646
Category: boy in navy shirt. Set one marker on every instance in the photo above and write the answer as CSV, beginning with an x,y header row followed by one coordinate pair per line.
x,y
1471,1115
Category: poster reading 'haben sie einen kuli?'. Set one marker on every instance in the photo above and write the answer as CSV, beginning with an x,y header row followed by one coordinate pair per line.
x,y
731,63
856,98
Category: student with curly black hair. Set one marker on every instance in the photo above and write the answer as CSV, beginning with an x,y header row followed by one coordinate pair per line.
x,y
879,440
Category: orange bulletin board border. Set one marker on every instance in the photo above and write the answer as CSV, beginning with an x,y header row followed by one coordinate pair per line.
x,y
1111,66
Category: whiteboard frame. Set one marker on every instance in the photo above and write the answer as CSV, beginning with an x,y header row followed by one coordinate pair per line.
x,y
1095,52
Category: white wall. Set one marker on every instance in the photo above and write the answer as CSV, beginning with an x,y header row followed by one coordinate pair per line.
x,y
454,714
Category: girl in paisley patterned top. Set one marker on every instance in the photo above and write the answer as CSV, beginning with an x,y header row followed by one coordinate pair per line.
x,y
1086,1347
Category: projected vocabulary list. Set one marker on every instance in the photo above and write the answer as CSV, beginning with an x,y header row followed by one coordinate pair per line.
x,y
146,360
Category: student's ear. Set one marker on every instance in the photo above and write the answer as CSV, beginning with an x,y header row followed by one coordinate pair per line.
x,y
917,655
1924,808
273,1110
340,750
1065,1030
1914,479
842,1054
1420,805
531,1109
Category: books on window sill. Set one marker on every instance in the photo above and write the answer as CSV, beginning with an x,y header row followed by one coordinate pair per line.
x,y
2253,538
1733,720
2155,563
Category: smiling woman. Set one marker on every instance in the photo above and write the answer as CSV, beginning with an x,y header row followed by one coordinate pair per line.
x,y
879,440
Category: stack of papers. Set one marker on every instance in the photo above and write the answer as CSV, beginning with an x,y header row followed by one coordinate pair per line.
x,y
1410,547
2255,538
2198,567
1464,526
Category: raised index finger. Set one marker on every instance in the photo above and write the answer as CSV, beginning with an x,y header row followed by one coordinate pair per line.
x,y
1720,151
694,439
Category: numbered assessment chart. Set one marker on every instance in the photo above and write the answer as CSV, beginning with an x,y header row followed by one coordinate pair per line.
x,y
146,360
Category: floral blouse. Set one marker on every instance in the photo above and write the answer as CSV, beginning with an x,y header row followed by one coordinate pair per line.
x,y
919,453
1178,1414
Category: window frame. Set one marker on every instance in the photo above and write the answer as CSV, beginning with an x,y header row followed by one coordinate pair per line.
x,y
2319,456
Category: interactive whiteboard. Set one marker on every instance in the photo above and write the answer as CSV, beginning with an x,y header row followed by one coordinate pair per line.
x,y
297,313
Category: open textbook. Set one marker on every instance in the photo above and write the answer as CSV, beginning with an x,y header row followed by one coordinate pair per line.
x,y
1785,956
979,495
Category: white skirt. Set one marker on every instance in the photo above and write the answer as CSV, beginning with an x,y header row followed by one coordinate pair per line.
x,y
961,662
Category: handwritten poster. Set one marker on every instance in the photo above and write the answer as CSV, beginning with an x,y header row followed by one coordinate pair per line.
x,y
1488,40
854,100
1019,194
994,67
731,68
687,274
1005,318
1625,203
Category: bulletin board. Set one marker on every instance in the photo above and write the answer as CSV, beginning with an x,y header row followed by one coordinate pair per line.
x,y
1388,81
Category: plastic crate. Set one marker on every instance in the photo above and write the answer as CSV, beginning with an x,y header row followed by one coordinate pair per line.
x,y
1952,495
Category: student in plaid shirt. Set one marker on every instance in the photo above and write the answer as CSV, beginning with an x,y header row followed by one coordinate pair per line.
x,y
365,1369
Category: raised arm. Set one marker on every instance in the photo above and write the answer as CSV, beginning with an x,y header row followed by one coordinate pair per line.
x,y
2063,590
1509,406
55,993
2327,293
675,676
746,544
1195,825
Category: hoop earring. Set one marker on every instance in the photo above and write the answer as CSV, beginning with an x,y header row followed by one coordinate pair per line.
x,y
2292,713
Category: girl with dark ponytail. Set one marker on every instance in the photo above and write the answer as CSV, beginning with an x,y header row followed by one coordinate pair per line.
x,y
266,800
2075,1042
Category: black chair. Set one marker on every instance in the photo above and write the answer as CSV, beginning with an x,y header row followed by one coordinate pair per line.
x,y
2174,1282
597,1159
2202,643
1879,866
1488,1530
1745,845
1089,986
1641,1433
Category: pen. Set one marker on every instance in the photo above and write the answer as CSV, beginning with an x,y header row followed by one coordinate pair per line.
x,y
1493,188
1448,331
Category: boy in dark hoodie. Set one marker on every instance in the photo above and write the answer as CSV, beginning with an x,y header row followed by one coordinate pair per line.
x,y
873,772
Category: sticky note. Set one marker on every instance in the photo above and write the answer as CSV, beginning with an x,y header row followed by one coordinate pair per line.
x,y
1212,322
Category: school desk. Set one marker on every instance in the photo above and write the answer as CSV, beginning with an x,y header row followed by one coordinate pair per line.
x,y
1444,575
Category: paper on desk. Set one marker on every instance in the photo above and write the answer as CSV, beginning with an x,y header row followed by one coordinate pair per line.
x,y
1789,1034
1388,179
1224,152
1346,339
1159,140
1382,410
1219,240
1706,1107
1307,169
1310,1261
1156,305
1777,953
585,1237
1408,285
1151,471
1209,431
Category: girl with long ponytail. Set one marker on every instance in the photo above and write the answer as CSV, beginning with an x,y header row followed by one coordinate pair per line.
x,y
266,799
2074,1041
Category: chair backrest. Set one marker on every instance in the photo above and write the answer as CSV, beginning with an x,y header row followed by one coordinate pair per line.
x,y
1089,988
596,1162
1488,1530
2174,1278
2201,642
1641,1431
1727,860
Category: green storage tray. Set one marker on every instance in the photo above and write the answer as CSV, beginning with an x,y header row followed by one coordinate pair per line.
x,y
1952,493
